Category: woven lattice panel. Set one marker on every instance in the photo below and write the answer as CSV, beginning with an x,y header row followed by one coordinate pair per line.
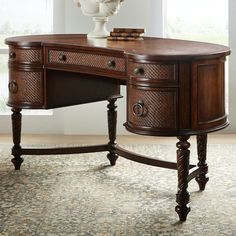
x,y
25,55
29,87
153,71
86,59
159,108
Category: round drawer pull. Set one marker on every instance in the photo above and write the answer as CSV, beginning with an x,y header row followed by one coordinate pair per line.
x,y
12,55
62,57
13,87
139,71
111,64
138,108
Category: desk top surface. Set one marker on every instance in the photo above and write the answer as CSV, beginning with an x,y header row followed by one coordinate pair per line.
x,y
148,47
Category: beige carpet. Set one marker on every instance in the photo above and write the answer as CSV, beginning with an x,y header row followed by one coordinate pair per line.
x,y
82,195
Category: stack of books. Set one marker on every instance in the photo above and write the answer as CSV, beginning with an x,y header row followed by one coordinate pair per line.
x,y
126,34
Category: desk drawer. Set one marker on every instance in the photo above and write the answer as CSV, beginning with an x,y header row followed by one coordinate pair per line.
x,y
25,55
25,87
160,71
86,59
152,108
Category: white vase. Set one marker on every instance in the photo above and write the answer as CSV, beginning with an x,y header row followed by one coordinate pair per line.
x,y
100,10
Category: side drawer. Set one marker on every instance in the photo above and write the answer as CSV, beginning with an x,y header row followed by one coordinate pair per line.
x,y
86,59
151,109
160,71
25,88
22,55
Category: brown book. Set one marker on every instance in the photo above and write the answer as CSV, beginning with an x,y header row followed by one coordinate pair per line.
x,y
128,30
123,38
116,34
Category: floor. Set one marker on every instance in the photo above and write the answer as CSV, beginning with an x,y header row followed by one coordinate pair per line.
x,y
99,139
54,195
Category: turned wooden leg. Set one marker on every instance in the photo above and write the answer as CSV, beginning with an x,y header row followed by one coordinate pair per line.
x,y
16,132
202,151
112,120
182,196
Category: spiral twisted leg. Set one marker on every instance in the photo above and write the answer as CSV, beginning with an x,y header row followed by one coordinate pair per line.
x,y
182,196
202,151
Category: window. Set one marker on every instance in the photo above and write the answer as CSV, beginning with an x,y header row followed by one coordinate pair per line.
x,y
19,18
202,20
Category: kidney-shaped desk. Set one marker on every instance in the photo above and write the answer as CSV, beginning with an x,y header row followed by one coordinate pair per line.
x,y
174,88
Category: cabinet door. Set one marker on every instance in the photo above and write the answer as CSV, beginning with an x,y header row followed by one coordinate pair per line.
x,y
208,101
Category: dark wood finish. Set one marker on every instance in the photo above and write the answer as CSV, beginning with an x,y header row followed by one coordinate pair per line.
x,y
209,97
146,160
61,150
82,88
185,111
16,131
182,196
112,120
174,88
147,49
202,152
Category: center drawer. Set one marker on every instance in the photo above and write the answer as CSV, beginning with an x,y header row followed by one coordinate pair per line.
x,y
86,59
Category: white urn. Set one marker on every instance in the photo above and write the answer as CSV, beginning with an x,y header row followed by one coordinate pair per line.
x,y
100,10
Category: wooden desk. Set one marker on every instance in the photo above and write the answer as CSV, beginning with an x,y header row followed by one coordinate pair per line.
x,y
174,88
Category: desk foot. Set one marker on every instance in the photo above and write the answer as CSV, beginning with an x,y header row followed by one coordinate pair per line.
x,y
17,161
182,196
202,181
112,157
202,150
182,211
112,121
16,130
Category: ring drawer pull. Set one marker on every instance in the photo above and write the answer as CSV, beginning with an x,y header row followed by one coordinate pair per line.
x,y
12,55
111,64
138,108
13,87
62,57
139,71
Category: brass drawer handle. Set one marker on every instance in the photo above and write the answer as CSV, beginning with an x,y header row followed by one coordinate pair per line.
x,y
62,57
12,55
111,64
138,108
139,71
13,87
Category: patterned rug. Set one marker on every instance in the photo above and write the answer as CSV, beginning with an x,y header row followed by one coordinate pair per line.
x,y
81,195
